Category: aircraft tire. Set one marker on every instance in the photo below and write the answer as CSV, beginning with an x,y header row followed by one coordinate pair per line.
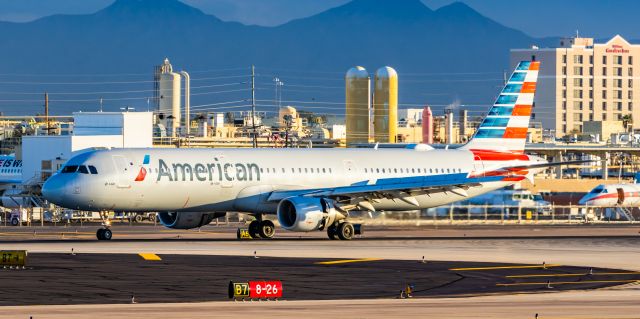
x,y
346,231
266,229
254,229
332,232
100,234
107,234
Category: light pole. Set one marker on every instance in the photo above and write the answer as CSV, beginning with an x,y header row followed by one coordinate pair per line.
x,y
278,91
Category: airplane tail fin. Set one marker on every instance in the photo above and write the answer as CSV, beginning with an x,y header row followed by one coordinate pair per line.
x,y
504,129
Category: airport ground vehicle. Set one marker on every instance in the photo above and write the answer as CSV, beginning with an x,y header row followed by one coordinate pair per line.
x,y
513,199
501,204
137,217
25,215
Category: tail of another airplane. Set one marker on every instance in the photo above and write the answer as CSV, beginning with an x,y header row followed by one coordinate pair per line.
x,y
505,127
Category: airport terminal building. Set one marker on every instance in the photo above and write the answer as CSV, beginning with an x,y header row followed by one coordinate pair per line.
x,y
581,81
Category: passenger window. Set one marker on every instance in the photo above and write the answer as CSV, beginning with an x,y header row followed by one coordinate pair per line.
x,y
431,170
324,170
395,170
306,170
261,170
93,169
83,169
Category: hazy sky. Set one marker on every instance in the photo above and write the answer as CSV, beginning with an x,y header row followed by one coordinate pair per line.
x,y
598,18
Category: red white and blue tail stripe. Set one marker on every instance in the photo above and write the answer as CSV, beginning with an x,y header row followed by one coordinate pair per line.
x,y
504,130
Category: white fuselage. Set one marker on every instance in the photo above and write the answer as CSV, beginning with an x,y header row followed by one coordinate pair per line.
x,y
221,180
10,170
626,195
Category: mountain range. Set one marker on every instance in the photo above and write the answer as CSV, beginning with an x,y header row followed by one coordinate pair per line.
x,y
444,55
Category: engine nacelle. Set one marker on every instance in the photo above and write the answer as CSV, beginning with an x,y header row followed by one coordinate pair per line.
x,y
187,220
306,213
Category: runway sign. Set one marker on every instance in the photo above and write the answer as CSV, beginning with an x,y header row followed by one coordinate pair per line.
x,y
13,257
238,290
243,233
255,289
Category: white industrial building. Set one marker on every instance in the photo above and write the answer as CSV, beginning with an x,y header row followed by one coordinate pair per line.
x,y
169,94
43,155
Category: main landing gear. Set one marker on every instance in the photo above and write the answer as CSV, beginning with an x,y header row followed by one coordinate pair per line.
x,y
104,233
262,228
343,230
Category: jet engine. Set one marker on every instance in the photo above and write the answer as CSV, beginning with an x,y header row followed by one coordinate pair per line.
x,y
187,220
307,213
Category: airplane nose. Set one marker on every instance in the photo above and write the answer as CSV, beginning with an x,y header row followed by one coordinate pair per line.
x,y
53,190
584,200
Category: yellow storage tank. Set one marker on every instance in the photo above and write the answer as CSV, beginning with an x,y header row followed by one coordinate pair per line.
x,y
358,105
385,105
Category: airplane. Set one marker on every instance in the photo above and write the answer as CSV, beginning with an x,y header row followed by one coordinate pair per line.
x,y
612,195
10,177
307,189
10,169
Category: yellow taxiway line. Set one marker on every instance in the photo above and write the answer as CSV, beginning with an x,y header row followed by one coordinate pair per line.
x,y
572,275
346,261
504,267
568,282
150,256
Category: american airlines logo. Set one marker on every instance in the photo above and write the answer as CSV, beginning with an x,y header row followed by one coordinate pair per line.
x,y
203,172
142,174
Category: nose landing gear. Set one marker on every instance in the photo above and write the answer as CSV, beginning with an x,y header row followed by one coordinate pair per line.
x,y
104,233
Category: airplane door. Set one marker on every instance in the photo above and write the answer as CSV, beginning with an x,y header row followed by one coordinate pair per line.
x,y
478,166
122,171
620,196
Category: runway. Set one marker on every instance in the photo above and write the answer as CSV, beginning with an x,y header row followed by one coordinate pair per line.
x,y
614,252
149,278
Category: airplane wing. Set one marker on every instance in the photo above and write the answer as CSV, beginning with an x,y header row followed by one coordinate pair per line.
x,y
393,187
543,165
405,187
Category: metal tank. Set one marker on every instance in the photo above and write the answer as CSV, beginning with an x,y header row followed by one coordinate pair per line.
x,y
427,126
169,107
290,112
358,105
385,105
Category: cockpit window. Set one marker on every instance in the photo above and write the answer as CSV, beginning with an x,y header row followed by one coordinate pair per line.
x,y
93,169
598,190
69,169
83,169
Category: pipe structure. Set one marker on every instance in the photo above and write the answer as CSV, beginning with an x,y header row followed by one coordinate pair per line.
x,y
187,101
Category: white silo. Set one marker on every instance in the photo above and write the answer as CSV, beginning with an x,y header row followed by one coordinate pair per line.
x,y
169,104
